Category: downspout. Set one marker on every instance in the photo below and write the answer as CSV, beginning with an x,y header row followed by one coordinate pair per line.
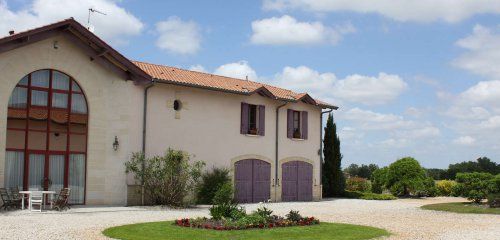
x,y
321,145
276,179
144,125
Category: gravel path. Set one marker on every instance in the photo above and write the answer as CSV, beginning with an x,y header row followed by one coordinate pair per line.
x,y
402,218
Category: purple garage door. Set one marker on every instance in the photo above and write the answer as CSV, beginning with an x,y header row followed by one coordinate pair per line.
x,y
252,181
296,181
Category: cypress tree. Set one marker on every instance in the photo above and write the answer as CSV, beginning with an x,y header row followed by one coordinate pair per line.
x,y
332,176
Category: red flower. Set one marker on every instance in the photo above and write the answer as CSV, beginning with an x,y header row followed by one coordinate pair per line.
x,y
261,225
271,225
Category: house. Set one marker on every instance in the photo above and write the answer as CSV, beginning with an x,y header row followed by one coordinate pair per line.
x,y
74,109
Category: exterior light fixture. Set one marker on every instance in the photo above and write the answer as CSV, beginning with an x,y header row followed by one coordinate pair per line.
x,y
56,45
116,144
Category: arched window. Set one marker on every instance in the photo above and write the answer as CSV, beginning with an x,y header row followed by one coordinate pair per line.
x,y
47,134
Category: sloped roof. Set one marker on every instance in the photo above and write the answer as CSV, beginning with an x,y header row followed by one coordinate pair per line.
x,y
96,48
215,82
142,72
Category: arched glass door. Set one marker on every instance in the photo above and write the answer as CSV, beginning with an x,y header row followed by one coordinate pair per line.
x,y
47,134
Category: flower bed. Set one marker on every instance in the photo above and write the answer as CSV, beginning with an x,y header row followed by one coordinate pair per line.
x,y
255,220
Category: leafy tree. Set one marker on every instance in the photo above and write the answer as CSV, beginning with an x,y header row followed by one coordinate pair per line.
x,y
406,176
332,176
482,164
379,179
436,173
168,179
475,186
363,171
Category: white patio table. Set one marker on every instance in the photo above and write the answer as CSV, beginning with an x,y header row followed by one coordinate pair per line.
x,y
27,193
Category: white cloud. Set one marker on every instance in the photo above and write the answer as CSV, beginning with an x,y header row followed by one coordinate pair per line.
x,y
115,26
354,88
370,90
198,68
483,52
177,36
465,140
410,10
286,30
369,120
240,70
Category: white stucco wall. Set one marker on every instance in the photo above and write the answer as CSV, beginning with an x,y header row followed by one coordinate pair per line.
x,y
112,102
208,127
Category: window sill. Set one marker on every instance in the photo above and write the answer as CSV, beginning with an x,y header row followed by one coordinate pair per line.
x,y
252,135
297,139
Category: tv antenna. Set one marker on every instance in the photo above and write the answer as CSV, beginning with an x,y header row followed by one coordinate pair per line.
x,y
93,10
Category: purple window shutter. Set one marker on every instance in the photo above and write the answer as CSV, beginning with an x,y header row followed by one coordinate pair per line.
x,y
304,125
289,125
262,120
244,118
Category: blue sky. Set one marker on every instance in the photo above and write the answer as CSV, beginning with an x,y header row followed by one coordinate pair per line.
x,y
417,78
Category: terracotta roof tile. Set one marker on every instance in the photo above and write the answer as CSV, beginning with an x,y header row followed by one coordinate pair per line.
x,y
215,82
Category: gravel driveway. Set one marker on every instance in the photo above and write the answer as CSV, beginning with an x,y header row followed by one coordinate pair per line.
x,y
402,218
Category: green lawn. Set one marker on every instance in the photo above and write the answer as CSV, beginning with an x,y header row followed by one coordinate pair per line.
x,y
165,230
462,208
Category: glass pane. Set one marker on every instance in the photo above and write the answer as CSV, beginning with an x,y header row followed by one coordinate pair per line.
x,y
38,119
40,78
78,123
19,98
60,100
60,81
36,169
16,118
76,181
77,143
59,120
15,139
75,87
14,169
39,98
24,81
78,104
37,140
56,172
58,141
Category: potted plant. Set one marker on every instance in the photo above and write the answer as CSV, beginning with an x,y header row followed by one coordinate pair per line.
x,y
252,131
296,134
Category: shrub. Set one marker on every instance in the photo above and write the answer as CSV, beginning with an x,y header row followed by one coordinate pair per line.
x,y
293,216
224,194
428,188
210,183
495,182
357,184
445,187
379,180
405,177
494,200
224,205
168,179
264,212
369,196
475,186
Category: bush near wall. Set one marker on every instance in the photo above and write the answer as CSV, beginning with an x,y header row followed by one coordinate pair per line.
x,y
211,182
169,179
358,184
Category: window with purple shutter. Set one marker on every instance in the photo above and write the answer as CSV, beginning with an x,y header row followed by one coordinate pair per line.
x,y
262,120
244,118
304,125
289,123
253,119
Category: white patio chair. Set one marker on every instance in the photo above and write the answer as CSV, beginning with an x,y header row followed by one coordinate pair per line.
x,y
36,198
